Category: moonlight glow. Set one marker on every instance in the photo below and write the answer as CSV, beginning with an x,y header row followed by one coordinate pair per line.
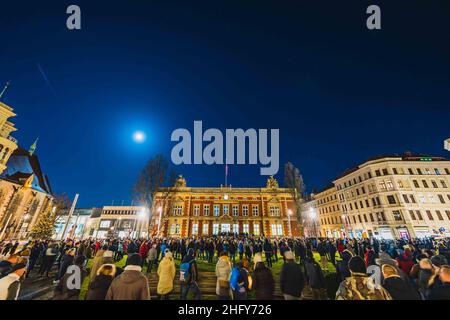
x,y
139,137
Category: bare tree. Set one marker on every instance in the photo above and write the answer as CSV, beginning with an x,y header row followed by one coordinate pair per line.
x,y
155,174
294,181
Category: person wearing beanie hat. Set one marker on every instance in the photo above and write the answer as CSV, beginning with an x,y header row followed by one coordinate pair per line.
x,y
359,286
189,274
291,278
131,284
10,284
342,265
263,282
152,257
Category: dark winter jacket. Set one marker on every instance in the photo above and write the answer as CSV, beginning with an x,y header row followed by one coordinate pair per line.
x,y
130,285
62,291
291,279
441,292
263,282
400,290
99,287
314,274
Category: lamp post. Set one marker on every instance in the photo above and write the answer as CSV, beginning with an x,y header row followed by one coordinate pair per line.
x,y
159,221
289,221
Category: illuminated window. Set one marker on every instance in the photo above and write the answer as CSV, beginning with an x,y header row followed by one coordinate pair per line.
x,y
105,223
245,210
206,209
236,228
235,210
274,211
256,229
246,228
205,228
215,228
216,210
196,210
195,228
255,210
225,209
177,210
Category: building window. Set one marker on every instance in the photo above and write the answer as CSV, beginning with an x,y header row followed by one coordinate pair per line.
x,y
235,210
441,198
397,215
195,228
206,210
389,185
196,210
236,228
274,211
405,198
105,223
429,215
419,171
175,228
245,210
439,215
246,228
444,185
177,210
419,215
255,210
416,184
276,229
434,184
425,184
216,209
436,171
256,229
225,209
391,199
411,213
215,229
205,228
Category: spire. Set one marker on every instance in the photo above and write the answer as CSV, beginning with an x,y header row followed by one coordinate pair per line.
x,y
33,147
4,89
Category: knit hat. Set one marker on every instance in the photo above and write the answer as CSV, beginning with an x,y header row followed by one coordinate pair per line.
x,y
134,260
168,254
438,260
357,265
107,254
289,255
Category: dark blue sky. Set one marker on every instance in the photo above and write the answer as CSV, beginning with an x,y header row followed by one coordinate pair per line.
x,y
338,92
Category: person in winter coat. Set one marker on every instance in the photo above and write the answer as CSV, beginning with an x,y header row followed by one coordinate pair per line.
x,y
263,282
191,278
62,290
405,260
166,274
342,266
131,284
7,265
396,286
100,286
240,281
314,276
97,262
223,270
369,256
152,258
143,251
66,261
291,278
442,291
359,286
10,284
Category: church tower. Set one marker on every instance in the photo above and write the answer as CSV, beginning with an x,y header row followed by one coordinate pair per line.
x,y
7,143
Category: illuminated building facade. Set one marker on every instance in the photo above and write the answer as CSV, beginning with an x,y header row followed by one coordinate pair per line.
x,y
182,211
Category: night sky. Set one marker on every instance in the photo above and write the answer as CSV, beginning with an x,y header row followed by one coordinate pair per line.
x,y
338,92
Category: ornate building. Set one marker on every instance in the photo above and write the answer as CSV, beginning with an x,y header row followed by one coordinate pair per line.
x,y
25,193
396,196
196,211
7,143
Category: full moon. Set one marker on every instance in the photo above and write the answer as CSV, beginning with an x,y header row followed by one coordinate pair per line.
x,y
139,137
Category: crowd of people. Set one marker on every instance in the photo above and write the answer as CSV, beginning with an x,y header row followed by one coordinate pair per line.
x,y
366,269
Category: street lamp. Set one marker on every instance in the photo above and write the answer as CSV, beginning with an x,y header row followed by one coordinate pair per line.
x,y
289,221
159,221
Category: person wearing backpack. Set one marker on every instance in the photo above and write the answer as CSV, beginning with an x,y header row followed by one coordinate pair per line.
x,y
189,276
240,282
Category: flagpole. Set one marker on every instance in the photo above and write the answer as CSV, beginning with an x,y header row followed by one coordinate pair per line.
x,y
226,172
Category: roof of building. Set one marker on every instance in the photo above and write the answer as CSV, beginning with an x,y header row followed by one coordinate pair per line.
x,y
407,156
21,165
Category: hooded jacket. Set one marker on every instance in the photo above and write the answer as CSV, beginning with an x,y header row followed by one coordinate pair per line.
x,y
130,285
399,289
166,273
263,282
291,279
223,270
99,287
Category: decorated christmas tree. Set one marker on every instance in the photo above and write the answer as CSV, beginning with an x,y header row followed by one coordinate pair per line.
x,y
45,226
